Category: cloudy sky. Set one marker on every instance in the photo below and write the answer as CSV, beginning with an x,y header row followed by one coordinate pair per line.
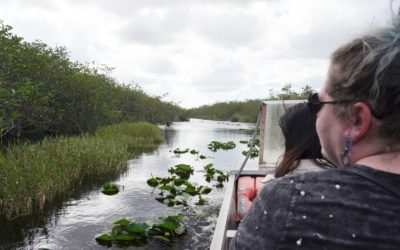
x,y
200,51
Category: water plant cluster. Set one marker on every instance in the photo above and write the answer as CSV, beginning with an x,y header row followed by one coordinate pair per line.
x,y
256,148
33,174
215,145
176,189
127,232
179,152
110,189
212,173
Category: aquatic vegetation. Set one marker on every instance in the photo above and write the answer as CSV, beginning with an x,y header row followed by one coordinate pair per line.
x,y
177,190
110,189
179,151
215,145
194,152
33,174
221,177
255,151
128,233
184,171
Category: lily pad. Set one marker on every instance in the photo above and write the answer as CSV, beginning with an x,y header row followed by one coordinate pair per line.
x,y
105,237
122,222
137,228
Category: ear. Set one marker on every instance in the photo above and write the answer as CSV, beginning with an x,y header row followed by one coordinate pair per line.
x,y
360,119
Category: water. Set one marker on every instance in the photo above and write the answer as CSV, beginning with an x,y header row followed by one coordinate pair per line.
x,y
73,224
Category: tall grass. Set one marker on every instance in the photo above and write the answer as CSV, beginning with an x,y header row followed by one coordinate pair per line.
x,y
33,174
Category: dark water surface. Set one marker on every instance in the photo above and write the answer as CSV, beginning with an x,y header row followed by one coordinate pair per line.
x,y
73,224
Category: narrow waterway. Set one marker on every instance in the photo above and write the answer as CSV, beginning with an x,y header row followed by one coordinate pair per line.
x,y
73,224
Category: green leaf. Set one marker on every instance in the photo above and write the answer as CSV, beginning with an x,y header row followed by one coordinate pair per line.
x,y
104,237
122,222
122,237
137,228
170,225
204,190
179,182
152,182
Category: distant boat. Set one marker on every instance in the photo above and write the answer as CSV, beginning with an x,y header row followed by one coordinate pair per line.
x,y
243,185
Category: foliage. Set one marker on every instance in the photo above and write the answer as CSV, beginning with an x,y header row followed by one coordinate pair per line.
x,y
35,173
228,111
246,111
211,171
179,151
132,233
176,190
215,145
44,93
110,189
255,150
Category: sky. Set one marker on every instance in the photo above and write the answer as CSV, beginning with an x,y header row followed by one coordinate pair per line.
x,y
199,52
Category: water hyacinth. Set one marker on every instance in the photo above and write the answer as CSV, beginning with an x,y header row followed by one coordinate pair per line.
x,y
128,233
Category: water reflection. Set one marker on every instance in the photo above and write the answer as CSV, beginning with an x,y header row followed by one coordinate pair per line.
x,y
73,224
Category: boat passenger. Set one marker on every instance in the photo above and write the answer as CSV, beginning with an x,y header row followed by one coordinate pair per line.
x,y
356,206
302,148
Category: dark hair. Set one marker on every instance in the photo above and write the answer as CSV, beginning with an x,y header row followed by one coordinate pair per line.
x,y
301,139
367,70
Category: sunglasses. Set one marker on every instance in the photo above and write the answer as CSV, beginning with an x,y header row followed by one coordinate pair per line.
x,y
315,105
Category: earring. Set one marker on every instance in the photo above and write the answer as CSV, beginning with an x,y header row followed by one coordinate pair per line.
x,y
345,156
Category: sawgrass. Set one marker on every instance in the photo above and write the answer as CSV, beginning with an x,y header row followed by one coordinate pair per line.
x,y
32,174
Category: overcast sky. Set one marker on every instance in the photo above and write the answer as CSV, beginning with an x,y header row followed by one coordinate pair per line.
x,y
200,52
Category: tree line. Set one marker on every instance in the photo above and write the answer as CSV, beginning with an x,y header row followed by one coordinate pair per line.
x,y
43,92
247,111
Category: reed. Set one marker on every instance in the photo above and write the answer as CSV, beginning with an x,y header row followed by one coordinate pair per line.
x,y
32,174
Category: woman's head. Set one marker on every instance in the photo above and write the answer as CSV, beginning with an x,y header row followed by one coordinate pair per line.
x,y
368,70
301,139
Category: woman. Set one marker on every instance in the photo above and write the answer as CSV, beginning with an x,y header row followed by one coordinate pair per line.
x,y
302,147
356,206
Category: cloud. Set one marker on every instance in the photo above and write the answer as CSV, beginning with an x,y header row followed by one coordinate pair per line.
x,y
227,29
159,66
154,27
225,77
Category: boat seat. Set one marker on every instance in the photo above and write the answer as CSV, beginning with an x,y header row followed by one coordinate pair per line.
x,y
247,189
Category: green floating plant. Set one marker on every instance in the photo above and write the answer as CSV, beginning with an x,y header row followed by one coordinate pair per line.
x,y
211,172
255,152
127,233
194,152
177,190
179,151
215,145
110,189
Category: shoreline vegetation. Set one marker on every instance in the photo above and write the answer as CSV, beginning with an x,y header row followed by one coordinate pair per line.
x,y
33,174
246,111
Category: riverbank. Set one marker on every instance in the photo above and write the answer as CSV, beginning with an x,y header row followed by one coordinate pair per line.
x,y
34,174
